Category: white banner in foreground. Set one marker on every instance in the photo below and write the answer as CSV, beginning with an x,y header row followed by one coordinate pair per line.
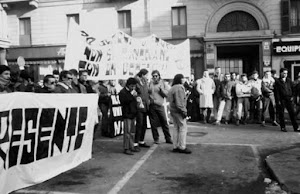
x,y
122,56
43,135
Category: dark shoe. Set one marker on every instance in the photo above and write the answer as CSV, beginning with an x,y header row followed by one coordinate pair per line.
x,y
156,142
185,151
297,130
176,150
237,123
144,145
275,123
135,149
283,130
169,141
243,122
128,152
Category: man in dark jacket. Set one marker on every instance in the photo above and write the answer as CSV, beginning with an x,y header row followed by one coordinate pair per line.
x,y
65,83
48,85
83,75
128,101
284,99
143,108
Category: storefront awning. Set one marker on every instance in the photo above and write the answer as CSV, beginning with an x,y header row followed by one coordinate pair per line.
x,y
39,62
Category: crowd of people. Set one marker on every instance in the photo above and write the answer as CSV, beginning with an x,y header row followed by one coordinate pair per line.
x,y
239,99
139,99
231,98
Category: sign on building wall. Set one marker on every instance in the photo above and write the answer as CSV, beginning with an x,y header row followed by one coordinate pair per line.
x,y
43,135
121,56
286,48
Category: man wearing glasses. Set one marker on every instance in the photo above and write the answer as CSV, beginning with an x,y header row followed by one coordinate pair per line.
x,y
48,84
65,83
158,91
284,99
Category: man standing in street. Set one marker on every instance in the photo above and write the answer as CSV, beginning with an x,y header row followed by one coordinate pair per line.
x,y
206,88
226,97
284,99
143,108
243,92
158,92
256,105
268,98
128,101
217,93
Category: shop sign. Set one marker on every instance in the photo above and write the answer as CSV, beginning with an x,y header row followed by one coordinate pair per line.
x,y
286,48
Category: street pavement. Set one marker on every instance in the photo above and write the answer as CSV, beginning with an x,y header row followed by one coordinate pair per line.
x,y
225,159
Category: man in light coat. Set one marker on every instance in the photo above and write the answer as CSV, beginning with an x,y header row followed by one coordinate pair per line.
x,y
206,88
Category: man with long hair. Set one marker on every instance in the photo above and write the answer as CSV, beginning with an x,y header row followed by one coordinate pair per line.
x,y
177,100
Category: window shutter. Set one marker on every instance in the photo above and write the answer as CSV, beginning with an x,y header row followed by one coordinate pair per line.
x,y
285,16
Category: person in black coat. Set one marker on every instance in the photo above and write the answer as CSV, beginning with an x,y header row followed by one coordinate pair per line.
x,y
128,102
49,85
283,91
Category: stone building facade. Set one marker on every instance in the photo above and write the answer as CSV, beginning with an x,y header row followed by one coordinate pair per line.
x,y
237,35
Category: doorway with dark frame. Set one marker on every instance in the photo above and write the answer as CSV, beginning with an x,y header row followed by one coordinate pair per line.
x,y
239,58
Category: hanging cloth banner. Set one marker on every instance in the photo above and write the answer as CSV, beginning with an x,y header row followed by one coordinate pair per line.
x,y
122,56
43,135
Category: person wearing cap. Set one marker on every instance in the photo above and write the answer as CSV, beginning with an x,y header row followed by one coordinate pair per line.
x,y
256,104
5,79
283,91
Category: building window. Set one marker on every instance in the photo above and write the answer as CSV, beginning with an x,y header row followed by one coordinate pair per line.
x,y
237,21
25,31
124,20
290,16
179,27
75,17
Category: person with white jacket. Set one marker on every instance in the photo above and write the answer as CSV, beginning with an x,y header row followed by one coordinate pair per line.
x,y
243,92
206,88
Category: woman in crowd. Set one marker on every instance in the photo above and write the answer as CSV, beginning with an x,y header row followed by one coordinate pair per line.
x,y
177,99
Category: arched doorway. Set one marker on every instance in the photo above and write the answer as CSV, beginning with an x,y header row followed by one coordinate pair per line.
x,y
239,58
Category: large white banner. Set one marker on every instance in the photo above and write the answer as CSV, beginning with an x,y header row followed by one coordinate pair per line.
x,y
121,56
43,135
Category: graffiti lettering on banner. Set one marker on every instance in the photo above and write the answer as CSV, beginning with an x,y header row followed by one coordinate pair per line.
x,y
116,119
38,133
43,135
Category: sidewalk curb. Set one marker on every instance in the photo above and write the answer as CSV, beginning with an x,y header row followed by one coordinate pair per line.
x,y
278,165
